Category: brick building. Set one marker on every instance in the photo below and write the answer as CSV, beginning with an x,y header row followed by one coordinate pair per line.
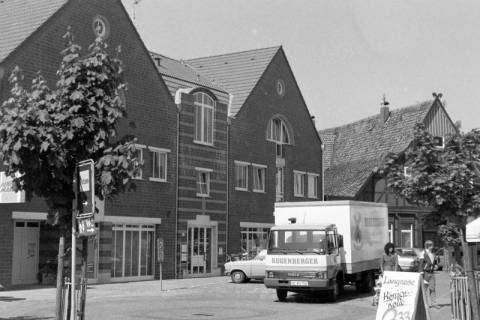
x,y
274,149
354,152
130,225
202,168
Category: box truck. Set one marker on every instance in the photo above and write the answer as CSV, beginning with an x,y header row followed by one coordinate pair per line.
x,y
321,246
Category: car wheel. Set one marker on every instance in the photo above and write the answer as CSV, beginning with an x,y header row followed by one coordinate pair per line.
x,y
238,277
282,294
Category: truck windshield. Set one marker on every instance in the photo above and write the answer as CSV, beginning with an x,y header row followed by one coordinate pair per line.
x,y
297,241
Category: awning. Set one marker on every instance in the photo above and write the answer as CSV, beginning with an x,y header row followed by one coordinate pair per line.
x,y
473,231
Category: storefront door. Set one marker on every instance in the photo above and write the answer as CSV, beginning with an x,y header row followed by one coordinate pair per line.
x,y
200,250
26,239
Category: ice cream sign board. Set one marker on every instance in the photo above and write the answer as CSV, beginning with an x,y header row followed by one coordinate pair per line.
x,y
7,194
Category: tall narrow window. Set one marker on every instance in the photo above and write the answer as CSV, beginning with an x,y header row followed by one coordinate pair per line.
x,y
259,177
159,164
204,111
241,175
279,184
139,157
299,183
312,185
203,182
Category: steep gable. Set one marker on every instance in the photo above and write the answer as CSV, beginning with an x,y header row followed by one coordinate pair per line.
x,y
237,72
355,150
20,18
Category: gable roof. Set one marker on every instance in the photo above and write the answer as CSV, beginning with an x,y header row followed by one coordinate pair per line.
x,y
20,18
237,72
355,150
181,70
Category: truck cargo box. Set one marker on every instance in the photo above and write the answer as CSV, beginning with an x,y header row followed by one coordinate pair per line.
x,y
363,225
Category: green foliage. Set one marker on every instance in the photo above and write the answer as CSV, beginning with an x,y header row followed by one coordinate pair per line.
x,y
446,179
450,234
45,132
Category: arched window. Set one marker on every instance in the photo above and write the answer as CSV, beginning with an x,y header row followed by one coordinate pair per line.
x,y
278,131
204,110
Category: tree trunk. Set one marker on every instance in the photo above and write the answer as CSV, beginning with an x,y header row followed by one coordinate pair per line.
x,y
83,278
60,275
472,285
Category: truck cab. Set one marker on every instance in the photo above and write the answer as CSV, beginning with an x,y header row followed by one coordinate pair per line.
x,y
305,257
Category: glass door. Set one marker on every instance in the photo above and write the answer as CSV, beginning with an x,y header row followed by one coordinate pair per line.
x,y
200,251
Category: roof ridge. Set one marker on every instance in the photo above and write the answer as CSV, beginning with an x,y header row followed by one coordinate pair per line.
x,y
236,52
413,106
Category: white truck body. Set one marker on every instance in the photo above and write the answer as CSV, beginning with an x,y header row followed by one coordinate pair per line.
x,y
363,227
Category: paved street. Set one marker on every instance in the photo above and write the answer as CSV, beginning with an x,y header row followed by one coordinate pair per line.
x,y
205,298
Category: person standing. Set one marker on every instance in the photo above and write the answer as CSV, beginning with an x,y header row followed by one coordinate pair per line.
x,y
427,268
389,260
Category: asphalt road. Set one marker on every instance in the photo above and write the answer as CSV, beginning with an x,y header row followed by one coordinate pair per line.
x,y
205,298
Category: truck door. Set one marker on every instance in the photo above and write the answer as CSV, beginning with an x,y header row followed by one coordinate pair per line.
x,y
333,257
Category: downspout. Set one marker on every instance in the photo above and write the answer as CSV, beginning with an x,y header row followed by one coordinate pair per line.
x,y
323,173
229,122
178,102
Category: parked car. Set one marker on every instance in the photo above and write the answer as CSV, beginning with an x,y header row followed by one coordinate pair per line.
x,y
244,270
409,258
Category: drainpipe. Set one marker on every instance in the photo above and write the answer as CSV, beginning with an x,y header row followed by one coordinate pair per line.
x,y
323,173
229,122
178,102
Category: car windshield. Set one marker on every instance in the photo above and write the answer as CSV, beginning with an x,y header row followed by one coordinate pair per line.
x,y
297,241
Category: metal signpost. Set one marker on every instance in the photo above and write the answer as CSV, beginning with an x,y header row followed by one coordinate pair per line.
x,y
83,212
160,257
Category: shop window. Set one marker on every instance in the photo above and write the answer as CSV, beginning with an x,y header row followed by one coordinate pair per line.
x,y
133,247
253,239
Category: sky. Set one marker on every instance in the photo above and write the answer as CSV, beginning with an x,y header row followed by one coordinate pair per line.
x,y
345,55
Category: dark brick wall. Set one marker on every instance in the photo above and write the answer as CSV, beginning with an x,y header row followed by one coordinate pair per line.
x,y
248,143
149,106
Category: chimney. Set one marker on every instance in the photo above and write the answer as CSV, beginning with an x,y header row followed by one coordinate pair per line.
x,y
384,110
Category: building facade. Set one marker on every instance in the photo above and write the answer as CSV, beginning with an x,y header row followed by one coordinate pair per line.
x,y
273,145
131,225
355,152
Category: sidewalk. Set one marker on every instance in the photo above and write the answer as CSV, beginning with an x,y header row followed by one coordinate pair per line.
x,y
443,297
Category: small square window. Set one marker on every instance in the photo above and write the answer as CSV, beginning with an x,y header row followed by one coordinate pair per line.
x,y
312,185
439,142
159,164
407,172
241,176
299,184
203,182
259,178
139,157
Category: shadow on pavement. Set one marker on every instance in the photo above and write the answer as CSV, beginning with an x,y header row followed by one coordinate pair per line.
x,y
9,299
27,318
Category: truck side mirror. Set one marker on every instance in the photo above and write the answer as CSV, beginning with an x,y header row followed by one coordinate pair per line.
x,y
340,241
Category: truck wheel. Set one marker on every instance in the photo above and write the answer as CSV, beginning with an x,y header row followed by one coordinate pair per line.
x,y
281,294
238,276
334,293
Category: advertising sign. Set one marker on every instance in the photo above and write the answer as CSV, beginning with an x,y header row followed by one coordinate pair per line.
x,y
401,297
160,250
7,195
86,189
86,227
473,231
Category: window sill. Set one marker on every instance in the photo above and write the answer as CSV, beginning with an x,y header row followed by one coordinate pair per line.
x,y
312,197
259,191
203,143
241,189
299,195
157,179
201,195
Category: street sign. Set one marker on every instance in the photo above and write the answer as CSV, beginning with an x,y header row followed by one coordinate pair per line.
x,y
160,250
86,189
86,227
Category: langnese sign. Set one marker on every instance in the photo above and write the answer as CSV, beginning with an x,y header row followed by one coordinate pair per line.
x,y
401,297
7,194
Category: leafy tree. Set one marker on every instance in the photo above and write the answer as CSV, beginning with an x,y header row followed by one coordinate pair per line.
x,y
45,132
446,179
